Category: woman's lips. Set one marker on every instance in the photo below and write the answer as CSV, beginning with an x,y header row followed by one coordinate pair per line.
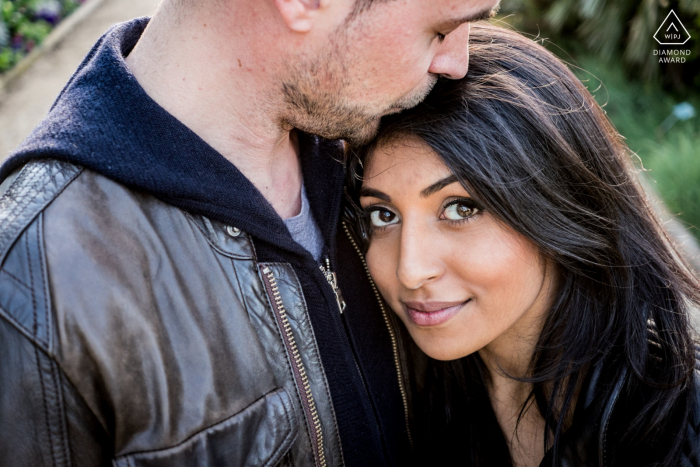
x,y
432,313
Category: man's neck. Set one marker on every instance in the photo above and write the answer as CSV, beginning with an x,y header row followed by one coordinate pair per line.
x,y
229,102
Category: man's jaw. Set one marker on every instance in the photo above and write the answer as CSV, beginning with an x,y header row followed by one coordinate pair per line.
x,y
413,99
342,120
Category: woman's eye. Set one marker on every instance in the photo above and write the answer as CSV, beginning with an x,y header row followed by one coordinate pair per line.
x,y
382,218
460,210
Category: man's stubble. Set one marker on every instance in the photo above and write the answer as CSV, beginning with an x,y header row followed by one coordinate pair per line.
x,y
318,98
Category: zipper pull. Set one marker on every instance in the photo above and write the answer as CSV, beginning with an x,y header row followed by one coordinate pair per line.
x,y
333,281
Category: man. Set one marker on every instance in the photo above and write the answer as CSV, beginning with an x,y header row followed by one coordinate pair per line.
x,y
169,240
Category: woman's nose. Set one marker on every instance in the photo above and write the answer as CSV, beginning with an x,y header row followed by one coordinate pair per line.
x,y
419,263
452,59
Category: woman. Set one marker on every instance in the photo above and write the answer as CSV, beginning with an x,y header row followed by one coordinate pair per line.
x,y
504,225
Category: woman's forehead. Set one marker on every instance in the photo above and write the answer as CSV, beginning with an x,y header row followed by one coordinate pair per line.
x,y
404,170
402,154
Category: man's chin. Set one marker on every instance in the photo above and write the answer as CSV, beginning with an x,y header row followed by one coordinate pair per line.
x,y
354,134
363,135
392,110
413,100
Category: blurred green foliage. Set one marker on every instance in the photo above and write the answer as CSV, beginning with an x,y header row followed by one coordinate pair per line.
x,y
615,31
34,31
24,24
672,159
610,45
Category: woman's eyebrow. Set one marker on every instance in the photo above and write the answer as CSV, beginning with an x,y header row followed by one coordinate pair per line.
x,y
439,185
371,192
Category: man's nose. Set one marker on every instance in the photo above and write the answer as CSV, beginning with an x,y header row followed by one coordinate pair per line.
x,y
452,59
419,264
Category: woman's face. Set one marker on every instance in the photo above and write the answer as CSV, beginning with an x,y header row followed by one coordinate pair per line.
x,y
460,280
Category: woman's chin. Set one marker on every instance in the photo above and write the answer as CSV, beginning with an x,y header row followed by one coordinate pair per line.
x,y
440,349
444,355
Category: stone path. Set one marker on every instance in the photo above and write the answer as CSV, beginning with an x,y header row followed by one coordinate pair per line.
x,y
29,97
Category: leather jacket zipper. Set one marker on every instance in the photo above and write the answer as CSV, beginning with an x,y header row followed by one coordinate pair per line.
x,y
392,333
333,281
302,381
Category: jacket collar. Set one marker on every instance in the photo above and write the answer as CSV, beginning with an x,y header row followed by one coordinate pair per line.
x,y
584,443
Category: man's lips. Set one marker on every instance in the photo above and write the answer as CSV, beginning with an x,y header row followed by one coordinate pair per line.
x,y
432,313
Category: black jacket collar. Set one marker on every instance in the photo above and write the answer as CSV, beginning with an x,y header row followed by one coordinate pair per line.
x,y
584,443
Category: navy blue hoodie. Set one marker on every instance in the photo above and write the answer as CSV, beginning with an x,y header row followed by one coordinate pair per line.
x,y
103,120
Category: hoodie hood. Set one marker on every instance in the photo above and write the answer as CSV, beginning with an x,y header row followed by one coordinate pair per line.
x,y
104,121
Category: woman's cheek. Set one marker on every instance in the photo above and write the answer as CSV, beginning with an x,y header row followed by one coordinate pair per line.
x,y
485,256
379,264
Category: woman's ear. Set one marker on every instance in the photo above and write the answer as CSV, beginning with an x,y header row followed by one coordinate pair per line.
x,y
300,15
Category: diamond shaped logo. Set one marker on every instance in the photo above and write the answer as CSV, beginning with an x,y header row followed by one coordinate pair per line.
x,y
672,31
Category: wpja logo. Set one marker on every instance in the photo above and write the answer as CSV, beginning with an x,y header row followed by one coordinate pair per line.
x,y
672,32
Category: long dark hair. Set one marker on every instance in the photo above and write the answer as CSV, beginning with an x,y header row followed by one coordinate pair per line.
x,y
529,142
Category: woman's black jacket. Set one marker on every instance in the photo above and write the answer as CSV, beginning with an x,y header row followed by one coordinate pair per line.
x,y
595,438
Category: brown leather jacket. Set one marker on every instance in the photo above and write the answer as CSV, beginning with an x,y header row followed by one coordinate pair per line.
x,y
134,364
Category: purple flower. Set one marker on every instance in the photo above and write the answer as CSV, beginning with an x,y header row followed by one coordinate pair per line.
x,y
49,10
17,42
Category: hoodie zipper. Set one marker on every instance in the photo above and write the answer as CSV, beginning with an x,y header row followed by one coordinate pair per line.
x,y
333,281
300,377
392,334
